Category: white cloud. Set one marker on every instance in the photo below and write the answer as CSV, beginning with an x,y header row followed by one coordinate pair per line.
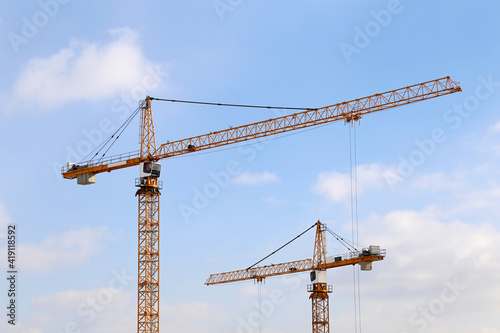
x,y
97,310
104,311
474,191
4,221
82,71
425,256
336,186
92,311
272,200
481,200
496,127
61,251
247,178
438,181
192,317
448,268
486,141
489,330
432,242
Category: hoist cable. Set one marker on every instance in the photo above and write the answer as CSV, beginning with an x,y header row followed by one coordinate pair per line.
x,y
356,218
356,184
354,223
260,307
355,291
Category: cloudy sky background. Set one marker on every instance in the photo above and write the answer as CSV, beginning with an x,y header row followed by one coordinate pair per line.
x,y
428,177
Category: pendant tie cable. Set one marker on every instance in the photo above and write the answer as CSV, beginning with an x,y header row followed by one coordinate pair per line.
x,y
233,105
350,246
109,142
282,247
259,285
115,135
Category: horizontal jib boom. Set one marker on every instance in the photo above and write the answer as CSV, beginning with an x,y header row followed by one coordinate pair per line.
x,y
288,268
351,110
258,272
347,111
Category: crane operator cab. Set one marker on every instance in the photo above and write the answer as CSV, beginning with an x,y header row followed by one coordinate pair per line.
x,y
150,169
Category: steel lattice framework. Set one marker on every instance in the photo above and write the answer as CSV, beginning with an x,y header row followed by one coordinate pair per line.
x,y
148,291
347,111
351,110
148,259
319,290
297,266
147,131
149,191
320,309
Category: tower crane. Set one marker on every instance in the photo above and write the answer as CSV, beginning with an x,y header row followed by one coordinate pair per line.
x,y
148,158
319,288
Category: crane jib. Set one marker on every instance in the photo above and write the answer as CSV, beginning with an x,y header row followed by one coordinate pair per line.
x,y
291,268
348,111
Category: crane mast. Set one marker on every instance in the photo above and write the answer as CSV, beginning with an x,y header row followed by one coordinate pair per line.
x,y
149,186
319,288
148,194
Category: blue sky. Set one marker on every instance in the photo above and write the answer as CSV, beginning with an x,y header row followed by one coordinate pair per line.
x,y
428,181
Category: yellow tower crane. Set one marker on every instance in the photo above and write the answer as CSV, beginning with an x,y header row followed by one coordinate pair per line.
x,y
149,155
319,287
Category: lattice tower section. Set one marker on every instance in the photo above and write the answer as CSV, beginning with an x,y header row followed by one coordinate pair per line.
x,y
149,257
